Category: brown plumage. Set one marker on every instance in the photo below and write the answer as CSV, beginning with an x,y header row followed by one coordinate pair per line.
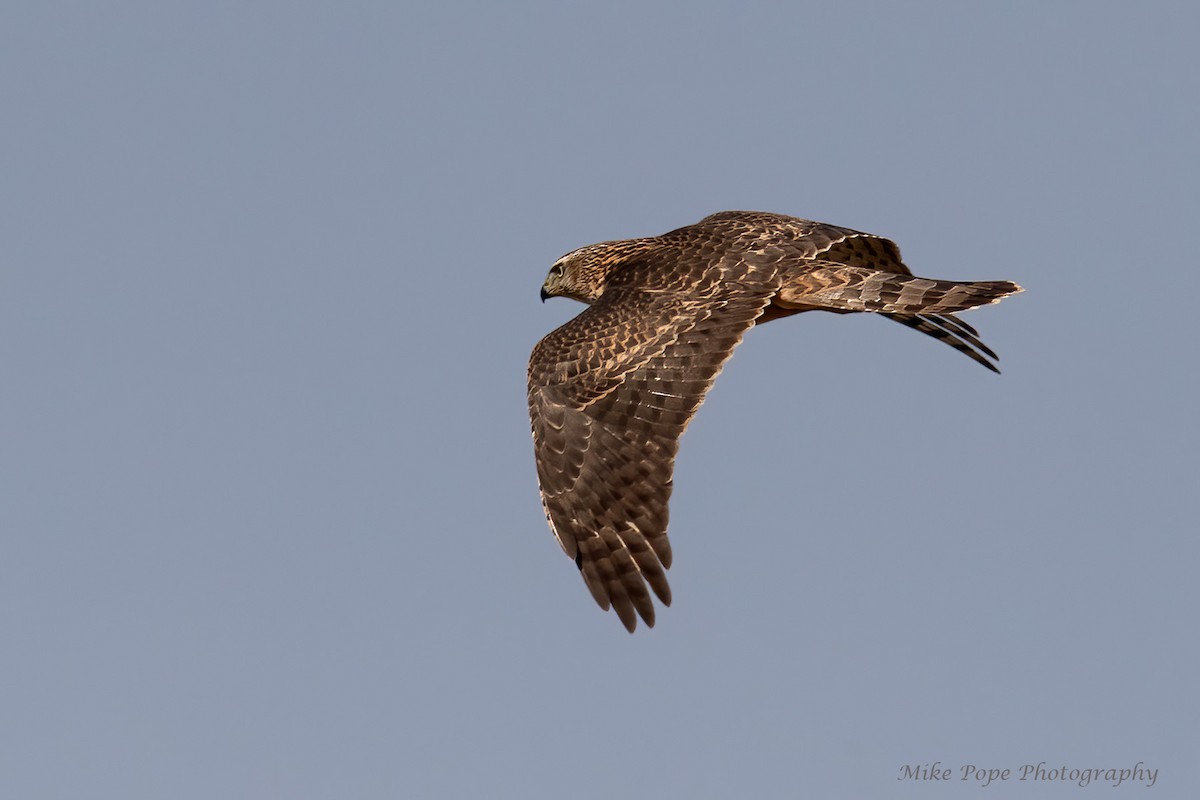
x,y
611,391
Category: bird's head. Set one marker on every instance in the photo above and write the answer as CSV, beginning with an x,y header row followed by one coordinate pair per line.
x,y
579,275
582,274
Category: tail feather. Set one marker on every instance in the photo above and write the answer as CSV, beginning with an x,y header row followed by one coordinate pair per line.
x,y
922,304
842,288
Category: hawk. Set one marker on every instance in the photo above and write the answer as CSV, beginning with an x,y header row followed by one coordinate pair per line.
x,y
611,391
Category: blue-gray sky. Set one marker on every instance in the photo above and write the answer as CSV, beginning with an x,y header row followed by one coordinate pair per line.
x,y
268,284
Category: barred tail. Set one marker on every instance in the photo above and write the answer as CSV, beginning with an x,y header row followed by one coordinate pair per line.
x,y
920,303
841,288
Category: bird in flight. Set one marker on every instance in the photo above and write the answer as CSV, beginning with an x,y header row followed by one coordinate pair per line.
x,y
611,391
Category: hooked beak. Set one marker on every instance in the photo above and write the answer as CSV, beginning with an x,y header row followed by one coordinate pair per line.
x,y
545,294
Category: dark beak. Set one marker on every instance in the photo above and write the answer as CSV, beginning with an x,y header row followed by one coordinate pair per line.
x,y
545,294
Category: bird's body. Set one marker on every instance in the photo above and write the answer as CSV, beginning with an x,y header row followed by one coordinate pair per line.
x,y
611,391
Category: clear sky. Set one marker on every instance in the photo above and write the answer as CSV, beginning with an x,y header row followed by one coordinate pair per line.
x,y
269,523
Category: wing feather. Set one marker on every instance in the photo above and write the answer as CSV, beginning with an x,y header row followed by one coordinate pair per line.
x,y
610,393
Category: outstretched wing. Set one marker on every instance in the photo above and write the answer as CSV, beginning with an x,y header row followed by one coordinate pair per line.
x,y
610,393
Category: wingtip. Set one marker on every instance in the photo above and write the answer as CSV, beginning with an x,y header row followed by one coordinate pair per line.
x,y
631,625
